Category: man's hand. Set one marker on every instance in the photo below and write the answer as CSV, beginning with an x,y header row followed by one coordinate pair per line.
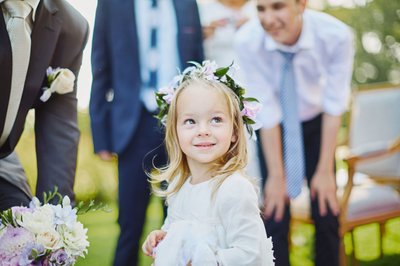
x,y
275,197
323,185
152,241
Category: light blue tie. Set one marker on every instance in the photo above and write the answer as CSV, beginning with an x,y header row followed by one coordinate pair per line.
x,y
293,149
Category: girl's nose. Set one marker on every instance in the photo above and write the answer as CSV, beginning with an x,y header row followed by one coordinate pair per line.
x,y
204,130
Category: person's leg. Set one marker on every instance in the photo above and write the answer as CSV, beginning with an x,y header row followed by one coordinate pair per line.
x,y
134,189
14,188
11,196
326,227
279,231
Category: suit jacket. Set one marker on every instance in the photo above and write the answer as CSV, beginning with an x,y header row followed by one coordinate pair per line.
x,y
116,66
59,36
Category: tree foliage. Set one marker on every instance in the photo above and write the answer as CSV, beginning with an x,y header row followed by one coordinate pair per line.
x,y
376,27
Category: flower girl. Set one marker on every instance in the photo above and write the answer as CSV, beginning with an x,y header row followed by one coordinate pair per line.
x,y
213,215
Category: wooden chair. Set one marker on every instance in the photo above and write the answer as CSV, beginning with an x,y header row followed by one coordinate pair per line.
x,y
374,150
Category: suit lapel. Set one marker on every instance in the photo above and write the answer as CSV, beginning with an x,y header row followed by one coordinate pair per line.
x,y
6,70
180,16
44,39
129,8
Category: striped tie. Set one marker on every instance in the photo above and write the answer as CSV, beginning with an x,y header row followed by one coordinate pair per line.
x,y
293,150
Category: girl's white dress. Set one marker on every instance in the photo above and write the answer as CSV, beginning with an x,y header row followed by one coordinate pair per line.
x,y
226,230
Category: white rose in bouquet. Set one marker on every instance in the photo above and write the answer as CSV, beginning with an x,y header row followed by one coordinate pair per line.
x,y
38,221
50,239
75,239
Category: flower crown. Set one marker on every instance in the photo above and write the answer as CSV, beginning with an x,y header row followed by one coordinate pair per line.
x,y
249,107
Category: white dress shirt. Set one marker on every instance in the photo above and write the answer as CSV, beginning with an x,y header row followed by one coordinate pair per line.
x,y
168,56
323,67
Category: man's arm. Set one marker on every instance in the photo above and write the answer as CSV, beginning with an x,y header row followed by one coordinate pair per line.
x,y
335,100
275,195
323,183
56,130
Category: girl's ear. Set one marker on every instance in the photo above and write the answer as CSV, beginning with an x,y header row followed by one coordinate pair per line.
x,y
234,138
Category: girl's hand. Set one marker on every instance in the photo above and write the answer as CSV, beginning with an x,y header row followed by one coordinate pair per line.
x,y
152,241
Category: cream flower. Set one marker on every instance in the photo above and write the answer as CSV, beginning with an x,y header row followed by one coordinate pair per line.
x,y
75,239
50,239
60,80
38,221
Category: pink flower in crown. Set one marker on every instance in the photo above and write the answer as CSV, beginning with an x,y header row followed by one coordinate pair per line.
x,y
169,93
208,69
250,109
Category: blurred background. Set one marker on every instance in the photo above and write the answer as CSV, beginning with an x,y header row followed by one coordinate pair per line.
x,y
376,24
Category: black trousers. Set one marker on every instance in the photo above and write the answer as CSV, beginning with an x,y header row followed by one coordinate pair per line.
x,y
326,227
143,151
11,195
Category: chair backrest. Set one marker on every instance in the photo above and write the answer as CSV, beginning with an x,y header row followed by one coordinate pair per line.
x,y
375,124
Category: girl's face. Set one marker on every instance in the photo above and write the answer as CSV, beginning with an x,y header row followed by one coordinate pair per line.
x,y
204,125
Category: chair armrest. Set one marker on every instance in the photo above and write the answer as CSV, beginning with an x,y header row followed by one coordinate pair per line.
x,y
369,153
352,158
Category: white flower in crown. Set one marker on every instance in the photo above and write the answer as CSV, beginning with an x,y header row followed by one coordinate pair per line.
x,y
60,80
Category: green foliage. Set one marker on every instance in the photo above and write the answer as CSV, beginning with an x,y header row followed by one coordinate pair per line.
x,y
47,197
376,27
83,207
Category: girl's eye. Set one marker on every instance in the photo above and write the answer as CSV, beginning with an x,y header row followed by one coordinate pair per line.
x,y
188,122
216,119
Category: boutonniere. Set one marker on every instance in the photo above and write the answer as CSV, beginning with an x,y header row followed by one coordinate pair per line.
x,y
60,80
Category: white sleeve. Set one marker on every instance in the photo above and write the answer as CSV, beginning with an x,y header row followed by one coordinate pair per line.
x,y
337,90
244,231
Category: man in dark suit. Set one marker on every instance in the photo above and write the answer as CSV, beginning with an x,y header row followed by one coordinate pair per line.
x,y
57,35
121,105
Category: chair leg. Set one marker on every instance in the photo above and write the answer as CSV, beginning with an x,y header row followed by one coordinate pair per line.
x,y
342,252
382,233
354,261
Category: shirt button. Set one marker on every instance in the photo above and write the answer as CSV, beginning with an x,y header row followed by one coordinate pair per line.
x,y
109,95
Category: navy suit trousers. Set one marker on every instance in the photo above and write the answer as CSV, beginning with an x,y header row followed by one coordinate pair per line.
x,y
145,148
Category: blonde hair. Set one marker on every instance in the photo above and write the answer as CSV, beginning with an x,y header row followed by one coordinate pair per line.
x,y
176,172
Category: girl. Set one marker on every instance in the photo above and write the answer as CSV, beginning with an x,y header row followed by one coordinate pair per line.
x,y
213,215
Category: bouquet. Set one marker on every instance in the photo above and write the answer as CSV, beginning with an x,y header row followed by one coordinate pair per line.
x,y
43,234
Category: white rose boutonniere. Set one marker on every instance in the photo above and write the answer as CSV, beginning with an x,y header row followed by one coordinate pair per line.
x,y
60,80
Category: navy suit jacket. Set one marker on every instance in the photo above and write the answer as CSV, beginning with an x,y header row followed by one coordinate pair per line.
x,y
116,67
